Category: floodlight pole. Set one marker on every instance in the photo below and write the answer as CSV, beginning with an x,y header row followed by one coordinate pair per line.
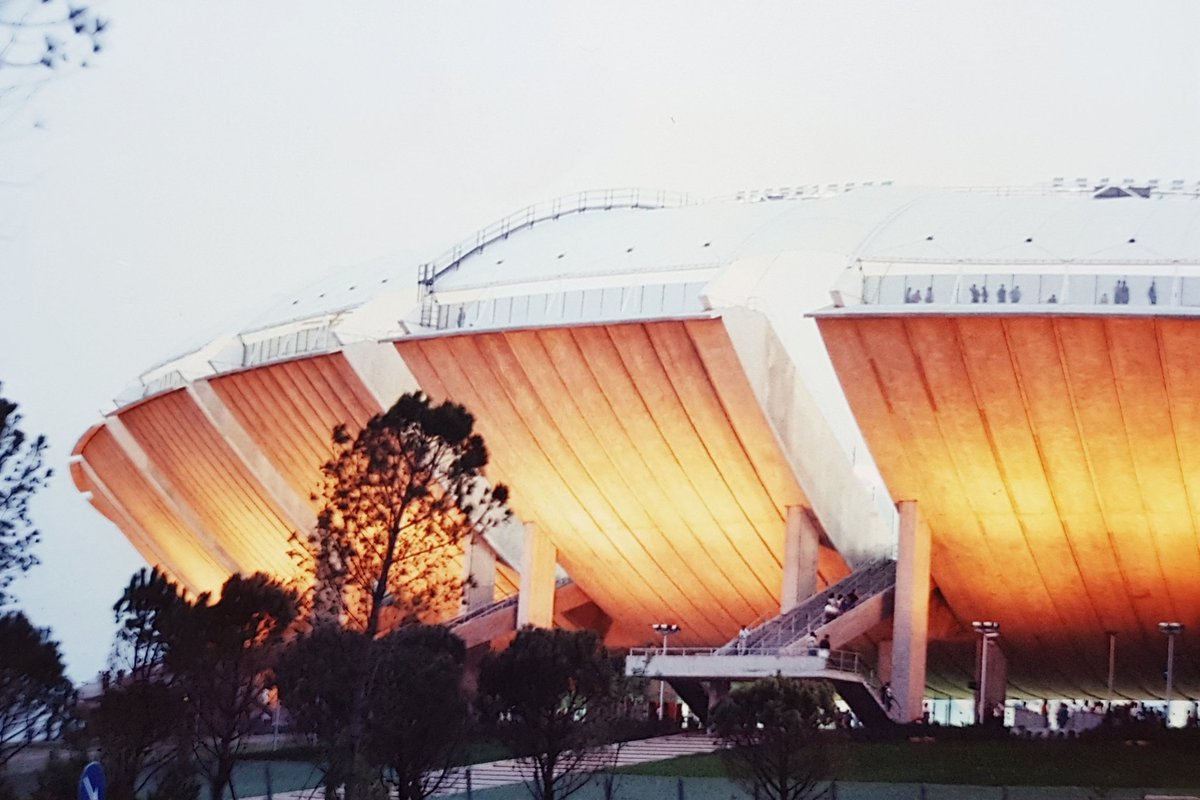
x,y
666,629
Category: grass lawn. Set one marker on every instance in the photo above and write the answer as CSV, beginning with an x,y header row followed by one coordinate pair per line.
x,y
1003,763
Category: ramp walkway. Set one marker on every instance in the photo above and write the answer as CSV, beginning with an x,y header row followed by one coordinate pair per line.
x,y
497,619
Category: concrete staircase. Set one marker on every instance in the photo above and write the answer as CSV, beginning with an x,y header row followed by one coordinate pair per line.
x,y
509,771
778,647
793,627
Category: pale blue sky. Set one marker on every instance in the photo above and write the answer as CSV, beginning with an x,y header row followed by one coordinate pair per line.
x,y
220,153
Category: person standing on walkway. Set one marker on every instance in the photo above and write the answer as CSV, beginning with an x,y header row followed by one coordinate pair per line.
x,y
743,640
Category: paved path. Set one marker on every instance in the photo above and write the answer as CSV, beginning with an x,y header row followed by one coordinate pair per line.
x,y
507,772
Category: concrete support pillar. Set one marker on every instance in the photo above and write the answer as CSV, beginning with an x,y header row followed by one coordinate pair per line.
x,y
801,546
994,688
297,512
535,605
885,661
479,578
910,631
381,369
718,690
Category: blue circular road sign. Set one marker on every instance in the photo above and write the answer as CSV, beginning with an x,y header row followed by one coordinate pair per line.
x,y
91,782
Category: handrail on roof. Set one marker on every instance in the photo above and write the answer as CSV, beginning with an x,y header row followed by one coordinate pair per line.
x,y
591,200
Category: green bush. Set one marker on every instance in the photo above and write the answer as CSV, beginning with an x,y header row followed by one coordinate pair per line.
x,y
60,777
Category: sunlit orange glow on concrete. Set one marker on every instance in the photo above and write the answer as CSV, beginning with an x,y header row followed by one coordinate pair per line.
x,y
640,449
151,523
290,409
665,500
1057,462
196,509
203,471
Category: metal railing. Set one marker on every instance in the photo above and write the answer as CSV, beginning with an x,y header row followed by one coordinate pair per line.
x,y
600,304
982,286
788,629
304,341
483,611
835,660
499,605
593,200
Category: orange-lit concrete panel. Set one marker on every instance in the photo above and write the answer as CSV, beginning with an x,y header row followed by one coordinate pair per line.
x,y
204,473
290,410
664,500
1055,459
172,546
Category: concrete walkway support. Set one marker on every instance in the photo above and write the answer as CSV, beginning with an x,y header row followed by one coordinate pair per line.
x,y
535,605
994,688
479,579
801,546
718,690
910,627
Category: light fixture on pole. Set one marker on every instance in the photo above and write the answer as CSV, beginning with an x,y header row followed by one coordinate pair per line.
x,y
1170,630
665,629
987,631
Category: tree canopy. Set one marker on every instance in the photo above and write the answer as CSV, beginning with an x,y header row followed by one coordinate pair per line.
x,y
21,476
770,730
418,712
34,692
318,678
552,697
218,654
397,500
40,39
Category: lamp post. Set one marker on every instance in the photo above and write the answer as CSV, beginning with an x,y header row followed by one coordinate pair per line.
x,y
987,631
665,629
1170,630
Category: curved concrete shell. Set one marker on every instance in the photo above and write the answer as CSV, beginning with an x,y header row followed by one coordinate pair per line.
x,y
651,384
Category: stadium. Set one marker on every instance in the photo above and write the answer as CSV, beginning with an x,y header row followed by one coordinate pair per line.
x,y
968,405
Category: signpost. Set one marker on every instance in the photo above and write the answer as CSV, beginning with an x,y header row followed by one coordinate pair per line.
x,y
91,782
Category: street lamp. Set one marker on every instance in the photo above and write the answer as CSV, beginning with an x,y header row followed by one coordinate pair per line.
x,y
665,629
987,631
1170,630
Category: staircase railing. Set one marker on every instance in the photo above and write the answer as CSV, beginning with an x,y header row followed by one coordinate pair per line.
x,y
789,628
499,605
